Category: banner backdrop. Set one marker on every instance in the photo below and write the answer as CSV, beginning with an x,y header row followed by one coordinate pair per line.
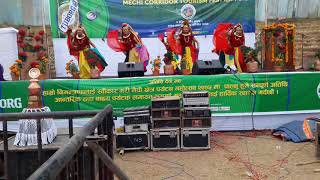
x,y
228,94
149,17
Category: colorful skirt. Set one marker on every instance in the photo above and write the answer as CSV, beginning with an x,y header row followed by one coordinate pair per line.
x,y
88,56
139,55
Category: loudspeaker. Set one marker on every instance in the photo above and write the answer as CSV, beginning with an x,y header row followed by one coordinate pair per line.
x,y
201,67
130,69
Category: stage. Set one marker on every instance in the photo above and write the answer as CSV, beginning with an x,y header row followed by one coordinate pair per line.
x,y
238,102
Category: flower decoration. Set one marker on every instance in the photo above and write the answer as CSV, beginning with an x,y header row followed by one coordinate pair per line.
x,y
41,33
16,67
37,47
23,56
71,67
34,65
20,40
42,54
279,62
283,34
37,37
41,65
22,45
156,64
22,32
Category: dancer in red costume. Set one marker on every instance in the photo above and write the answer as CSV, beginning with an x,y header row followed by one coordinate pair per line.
x,y
228,40
79,46
185,44
127,40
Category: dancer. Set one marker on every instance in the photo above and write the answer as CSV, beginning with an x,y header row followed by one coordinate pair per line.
x,y
128,41
88,58
185,44
228,39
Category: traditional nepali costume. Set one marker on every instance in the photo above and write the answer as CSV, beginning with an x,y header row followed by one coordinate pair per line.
x,y
228,46
80,48
128,44
185,47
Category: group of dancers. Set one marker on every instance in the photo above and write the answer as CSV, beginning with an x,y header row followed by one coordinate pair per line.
x,y
227,38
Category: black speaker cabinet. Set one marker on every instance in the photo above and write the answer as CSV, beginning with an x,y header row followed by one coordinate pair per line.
x,y
201,67
130,69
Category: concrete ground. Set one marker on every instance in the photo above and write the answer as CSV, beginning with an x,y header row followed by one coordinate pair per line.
x,y
232,156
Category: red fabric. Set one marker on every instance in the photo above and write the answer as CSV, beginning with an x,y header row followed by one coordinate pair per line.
x,y
114,43
75,45
72,50
161,37
130,42
227,44
220,38
186,41
176,47
82,44
100,67
236,41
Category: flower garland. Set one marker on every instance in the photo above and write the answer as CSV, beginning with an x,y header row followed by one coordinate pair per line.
x,y
272,48
290,32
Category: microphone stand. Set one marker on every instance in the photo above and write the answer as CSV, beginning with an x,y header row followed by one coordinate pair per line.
x,y
252,92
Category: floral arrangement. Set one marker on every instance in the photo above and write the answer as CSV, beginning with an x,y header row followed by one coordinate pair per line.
x,y
15,69
156,64
71,67
279,62
25,39
41,64
30,42
282,35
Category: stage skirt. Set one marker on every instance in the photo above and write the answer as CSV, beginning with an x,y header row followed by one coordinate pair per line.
x,y
27,134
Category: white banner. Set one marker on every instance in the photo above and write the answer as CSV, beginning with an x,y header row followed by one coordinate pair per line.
x,y
69,15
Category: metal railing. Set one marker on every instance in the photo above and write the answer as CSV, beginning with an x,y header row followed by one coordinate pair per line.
x,y
65,163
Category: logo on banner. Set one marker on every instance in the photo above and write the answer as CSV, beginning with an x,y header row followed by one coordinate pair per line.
x,y
11,103
188,11
68,17
318,90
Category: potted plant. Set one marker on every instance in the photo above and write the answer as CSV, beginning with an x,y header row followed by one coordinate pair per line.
x,y
317,62
156,64
168,61
72,69
15,70
278,64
